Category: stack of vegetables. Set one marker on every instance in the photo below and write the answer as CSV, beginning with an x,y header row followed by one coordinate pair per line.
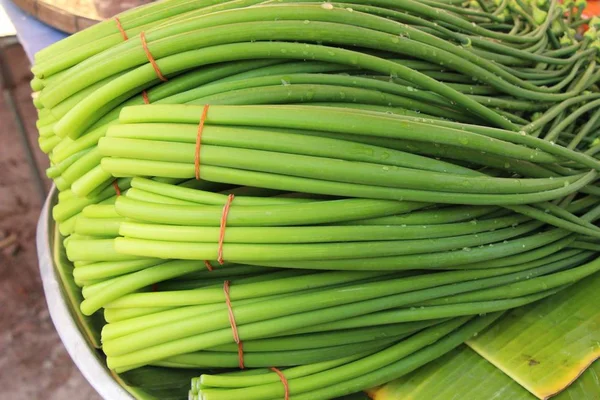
x,y
325,195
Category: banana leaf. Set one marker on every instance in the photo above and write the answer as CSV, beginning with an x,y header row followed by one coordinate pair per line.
x,y
532,352
545,346
464,374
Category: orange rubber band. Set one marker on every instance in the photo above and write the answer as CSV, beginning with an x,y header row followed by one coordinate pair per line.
x,y
123,33
117,189
145,97
155,287
286,385
199,140
223,225
150,58
208,266
236,336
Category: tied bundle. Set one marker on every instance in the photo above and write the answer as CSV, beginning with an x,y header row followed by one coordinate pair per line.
x,y
325,195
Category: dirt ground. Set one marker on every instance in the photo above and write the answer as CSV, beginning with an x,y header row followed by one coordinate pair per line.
x,y
33,362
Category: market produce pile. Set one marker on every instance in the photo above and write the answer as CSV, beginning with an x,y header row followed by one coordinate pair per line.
x,y
326,195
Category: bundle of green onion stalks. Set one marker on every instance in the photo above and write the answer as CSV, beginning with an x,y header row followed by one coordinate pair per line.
x,y
326,195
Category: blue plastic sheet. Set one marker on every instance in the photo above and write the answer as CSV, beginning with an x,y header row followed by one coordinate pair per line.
x,y
33,34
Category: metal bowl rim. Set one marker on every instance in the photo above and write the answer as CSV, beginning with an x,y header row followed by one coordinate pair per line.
x,y
82,354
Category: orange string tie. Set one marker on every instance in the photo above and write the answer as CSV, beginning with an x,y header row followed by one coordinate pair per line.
x,y
145,97
199,140
223,225
197,159
120,26
236,336
117,189
286,385
150,58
